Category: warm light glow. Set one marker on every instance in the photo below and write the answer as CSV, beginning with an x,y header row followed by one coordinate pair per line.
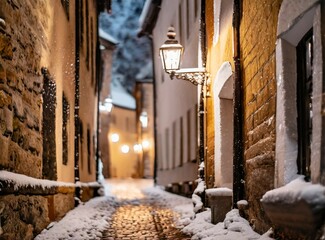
x,y
144,119
137,147
115,137
106,106
145,144
171,56
125,149
171,52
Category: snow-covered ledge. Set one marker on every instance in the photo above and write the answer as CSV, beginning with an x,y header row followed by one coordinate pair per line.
x,y
18,183
296,209
220,202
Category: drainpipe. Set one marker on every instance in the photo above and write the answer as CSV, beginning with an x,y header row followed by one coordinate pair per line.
x,y
76,108
154,111
238,158
202,102
98,80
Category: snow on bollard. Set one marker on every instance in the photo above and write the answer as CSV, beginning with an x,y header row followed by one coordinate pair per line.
x,y
220,201
198,195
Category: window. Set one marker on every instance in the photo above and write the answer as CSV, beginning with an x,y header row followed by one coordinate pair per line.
x,y
216,10
65,118
87,34
167,147
299,90
49,143
304,102
89,150
189,134
65,5
180,23
181,143
187,18
174,145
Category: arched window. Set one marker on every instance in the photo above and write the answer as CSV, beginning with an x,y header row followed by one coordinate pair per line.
x,y
223,118
299,91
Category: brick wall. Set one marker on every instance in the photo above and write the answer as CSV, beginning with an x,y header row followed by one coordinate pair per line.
x,y
21,42
258,35
217,54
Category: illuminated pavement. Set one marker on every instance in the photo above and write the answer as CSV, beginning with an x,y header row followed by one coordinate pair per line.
x,y
138,216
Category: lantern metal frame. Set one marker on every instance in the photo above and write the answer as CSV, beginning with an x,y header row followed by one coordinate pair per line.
x,y
197,76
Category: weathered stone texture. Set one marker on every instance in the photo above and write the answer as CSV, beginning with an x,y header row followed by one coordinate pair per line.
x,y
258,36
21,43
23,212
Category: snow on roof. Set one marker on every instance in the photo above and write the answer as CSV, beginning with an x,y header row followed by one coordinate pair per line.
x,y
120,97
145,72
107,36
144,12
297,190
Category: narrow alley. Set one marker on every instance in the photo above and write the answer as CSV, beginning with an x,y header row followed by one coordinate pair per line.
x,y
129,209
98,143
140,216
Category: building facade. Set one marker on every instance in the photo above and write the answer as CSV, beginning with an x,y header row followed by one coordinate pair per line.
x,y
49,85
264,115
108,45
125,156
176,101
274,81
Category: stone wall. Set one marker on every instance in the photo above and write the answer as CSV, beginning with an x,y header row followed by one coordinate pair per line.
x,y
257,38
21,86
26,210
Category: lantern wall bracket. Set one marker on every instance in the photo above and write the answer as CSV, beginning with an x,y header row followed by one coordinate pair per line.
x,y
197,76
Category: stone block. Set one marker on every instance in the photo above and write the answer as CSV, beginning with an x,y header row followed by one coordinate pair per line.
x,y
220,202
33,118
62,203
12,79
296,220
6,119
24,162
6,46
5,99
18,128
2,74
23,216
32,141
4,153
18,106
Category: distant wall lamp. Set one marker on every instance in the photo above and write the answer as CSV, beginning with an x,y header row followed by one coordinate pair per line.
x,y
171,53
144,119
106,106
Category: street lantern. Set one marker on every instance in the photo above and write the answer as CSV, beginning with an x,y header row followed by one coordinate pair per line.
x,y
171,52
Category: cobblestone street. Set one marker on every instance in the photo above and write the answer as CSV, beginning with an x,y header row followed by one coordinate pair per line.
x,y
138,216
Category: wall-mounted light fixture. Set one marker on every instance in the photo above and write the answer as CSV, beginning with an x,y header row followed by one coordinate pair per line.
x,y
144,119
171,53
106,106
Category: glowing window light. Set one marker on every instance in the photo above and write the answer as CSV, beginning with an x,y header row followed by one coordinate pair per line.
x,y
144,119
145,144
125,149
115,137
137,147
